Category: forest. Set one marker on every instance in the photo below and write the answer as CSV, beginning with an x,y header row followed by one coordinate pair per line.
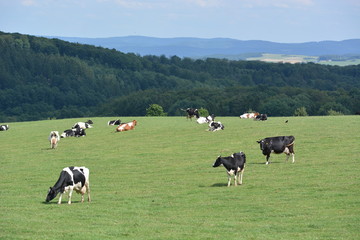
x,y
43,78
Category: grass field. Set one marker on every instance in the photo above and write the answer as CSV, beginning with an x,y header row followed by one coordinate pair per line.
x,y
157,181
267,57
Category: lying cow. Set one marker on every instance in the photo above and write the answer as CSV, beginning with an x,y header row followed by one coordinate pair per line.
x,y
54,138
281,144
126,126
4,127
235,165
75,132
114,122
83,125
249,115
216,126
71,178
207,119
261,117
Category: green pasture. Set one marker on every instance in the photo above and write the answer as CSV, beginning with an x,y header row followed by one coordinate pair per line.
x,y
157,181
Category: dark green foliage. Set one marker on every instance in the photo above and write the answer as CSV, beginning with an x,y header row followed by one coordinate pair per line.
x,y
42,78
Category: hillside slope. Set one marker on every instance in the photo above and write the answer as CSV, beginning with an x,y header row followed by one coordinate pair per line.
x,y
45,78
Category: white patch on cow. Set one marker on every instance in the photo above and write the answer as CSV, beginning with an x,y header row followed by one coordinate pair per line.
x,y
231,172
286,150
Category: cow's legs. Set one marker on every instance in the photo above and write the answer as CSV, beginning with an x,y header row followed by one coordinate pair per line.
x,y
59,202
267,159
70,194
88,192
229,180
293,157
241,176
235,178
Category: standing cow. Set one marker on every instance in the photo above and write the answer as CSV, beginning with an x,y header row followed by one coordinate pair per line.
x,y
71,178
281,144
191,112
54,138
235,165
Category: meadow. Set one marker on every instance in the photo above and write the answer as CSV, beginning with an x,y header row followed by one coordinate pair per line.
x,y
157,181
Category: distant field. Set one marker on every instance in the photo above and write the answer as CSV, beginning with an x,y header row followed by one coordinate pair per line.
x,y
157,181
300,59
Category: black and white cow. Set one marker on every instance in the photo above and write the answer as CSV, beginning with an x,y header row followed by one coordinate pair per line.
x,y
114,122
4,127
207,119
83,125
191,112
234,164
261,117
71,178
280,144
216,126
75,132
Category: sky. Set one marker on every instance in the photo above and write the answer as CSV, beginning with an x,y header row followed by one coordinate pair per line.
x,y
284,21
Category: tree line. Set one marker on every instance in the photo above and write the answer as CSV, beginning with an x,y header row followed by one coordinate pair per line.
x,y
44,78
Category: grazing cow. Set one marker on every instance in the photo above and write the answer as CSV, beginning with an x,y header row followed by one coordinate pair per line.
x,y
234,164
126,126
83,125
75,132
191,112
281,144
71,178
207,119
216,126
249,115
261,117
54,138
4,127
114,122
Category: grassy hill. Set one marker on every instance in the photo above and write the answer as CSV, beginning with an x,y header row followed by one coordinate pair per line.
x,y
157,181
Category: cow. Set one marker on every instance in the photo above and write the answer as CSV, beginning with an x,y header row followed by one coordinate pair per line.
x,y
235,165
71,178
207,119
215,126
83,125
280,144
4,127
249,115
114,122
54,138
75,132
191,112
261,117
126,126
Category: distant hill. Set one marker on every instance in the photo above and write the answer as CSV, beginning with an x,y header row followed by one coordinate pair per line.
x,y
201,47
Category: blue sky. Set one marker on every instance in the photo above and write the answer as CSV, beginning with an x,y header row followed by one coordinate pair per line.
x,y
286,21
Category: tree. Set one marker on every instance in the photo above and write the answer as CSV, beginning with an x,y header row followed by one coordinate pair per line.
x,y
155,110
301,111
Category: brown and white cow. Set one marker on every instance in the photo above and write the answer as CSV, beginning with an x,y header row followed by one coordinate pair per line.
x,y
249,115
126,126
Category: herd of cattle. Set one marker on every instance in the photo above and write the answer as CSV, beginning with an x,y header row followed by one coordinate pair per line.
x,y
77,178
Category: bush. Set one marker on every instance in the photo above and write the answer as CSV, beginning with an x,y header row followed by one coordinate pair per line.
x,y
203,112
334,113
155,110
301,111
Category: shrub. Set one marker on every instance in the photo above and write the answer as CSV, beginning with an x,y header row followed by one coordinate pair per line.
x,y
301,111
155,110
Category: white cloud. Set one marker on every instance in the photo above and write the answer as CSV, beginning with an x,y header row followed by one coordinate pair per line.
x,y
28,2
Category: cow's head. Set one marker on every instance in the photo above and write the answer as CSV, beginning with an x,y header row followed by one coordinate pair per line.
x,y
51,194
262,144
217,162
